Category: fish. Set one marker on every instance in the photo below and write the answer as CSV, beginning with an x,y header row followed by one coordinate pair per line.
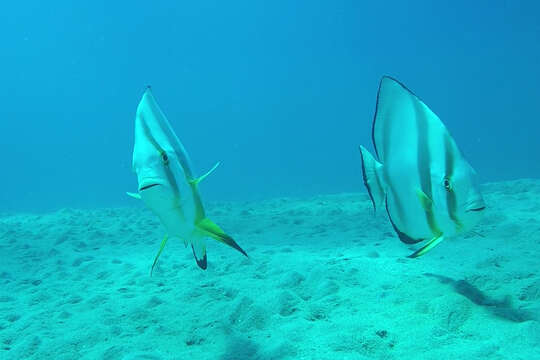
x,y
166,183
428,189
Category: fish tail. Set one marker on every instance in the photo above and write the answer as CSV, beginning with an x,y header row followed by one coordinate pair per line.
x,y
373,180
209,228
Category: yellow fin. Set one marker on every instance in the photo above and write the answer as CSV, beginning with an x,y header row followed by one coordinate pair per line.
x,y
425,201
430,245
163,242
209,228
201,178
427,205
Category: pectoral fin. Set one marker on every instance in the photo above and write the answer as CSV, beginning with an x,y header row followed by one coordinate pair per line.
x,y
134,195
430,245
427,205
425,201
211,229
163,242
201,178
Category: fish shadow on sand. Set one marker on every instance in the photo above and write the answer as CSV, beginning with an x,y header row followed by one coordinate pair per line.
x,y
240,348
500,308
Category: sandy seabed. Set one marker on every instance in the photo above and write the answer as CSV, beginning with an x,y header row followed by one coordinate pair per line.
x,y
326,279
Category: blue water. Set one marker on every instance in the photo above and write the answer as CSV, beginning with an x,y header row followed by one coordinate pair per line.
x,y
281,92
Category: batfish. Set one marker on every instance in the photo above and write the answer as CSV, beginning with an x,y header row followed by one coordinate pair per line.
x,y
419,175
167,185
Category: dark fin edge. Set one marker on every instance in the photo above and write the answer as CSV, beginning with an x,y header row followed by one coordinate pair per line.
x,y
377,107
215,232
415,254
402,236
402,85
365,179
203,262
375,119
429,246
230,241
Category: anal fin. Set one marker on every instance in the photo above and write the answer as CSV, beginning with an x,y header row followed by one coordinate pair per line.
x,y
401,235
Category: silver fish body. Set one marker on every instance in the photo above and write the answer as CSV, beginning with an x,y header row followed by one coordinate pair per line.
x,y
419,175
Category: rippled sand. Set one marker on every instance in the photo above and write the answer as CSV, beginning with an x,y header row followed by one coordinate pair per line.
x,y
326,279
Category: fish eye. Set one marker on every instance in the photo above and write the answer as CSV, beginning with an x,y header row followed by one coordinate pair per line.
x,y
165,158
446,183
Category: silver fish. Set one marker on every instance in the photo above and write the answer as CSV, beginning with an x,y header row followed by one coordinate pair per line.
x,y
429,190
167,185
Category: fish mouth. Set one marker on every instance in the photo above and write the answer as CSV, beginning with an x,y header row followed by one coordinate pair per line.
x,y
475,205
146,187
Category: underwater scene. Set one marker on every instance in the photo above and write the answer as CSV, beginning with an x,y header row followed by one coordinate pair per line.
x,y
270,180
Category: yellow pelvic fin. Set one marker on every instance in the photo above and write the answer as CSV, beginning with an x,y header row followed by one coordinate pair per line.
x,y
201,178
430,245
427,205
425,201
163,242
209,228
134,195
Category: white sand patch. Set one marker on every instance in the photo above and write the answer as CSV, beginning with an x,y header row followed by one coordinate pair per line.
x,y
326,279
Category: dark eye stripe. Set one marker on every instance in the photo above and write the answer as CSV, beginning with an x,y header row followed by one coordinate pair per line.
x,y
168,173
165,127
424,168
150,138
172,180
451,200
422,152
